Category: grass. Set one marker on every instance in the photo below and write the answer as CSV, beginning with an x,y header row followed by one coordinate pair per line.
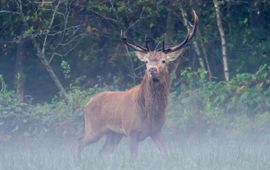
x,y
59,154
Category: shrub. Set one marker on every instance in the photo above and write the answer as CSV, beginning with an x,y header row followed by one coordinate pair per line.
x,y
59,118
199,106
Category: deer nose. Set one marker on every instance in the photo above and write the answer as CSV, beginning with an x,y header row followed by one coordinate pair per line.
x,y
153,70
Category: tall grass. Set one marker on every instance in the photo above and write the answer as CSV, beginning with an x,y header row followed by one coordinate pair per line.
x,y
199,155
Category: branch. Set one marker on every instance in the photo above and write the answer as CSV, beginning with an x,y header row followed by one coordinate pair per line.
x,y
49,27
67,52
137,21
41,54
9,12
105,17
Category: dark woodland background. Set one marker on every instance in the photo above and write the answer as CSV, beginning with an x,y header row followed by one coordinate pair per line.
x,y
55,54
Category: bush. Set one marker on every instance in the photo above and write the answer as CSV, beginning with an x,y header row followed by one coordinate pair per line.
x,y
59,118
239,106
197,107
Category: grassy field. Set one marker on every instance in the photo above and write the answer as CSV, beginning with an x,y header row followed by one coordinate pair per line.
x,y
59,154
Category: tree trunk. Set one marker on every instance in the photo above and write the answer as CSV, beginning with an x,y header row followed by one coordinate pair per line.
x,y
204,53
19,73
223,40
169,23
170,26
194,42
41,50
194,5
49,69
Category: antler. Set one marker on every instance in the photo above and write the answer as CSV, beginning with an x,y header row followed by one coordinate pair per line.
x,y
133,46
163,45
146,41
190,34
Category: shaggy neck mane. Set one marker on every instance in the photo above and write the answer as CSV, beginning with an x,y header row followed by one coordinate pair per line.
x,y
153,97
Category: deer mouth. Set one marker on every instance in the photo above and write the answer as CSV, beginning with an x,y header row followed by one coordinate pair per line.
x,y
155,80
154,77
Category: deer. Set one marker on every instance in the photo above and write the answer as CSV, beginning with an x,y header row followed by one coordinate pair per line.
x,y
139,112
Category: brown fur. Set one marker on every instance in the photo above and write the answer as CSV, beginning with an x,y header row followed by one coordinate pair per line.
x,y
136,113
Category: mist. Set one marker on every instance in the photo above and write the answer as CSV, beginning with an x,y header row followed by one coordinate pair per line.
x,y
209,153
55,56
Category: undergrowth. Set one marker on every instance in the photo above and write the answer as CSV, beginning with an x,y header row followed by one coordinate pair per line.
x,y
197,107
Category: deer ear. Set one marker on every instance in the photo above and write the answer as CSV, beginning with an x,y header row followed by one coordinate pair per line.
x,y
174,55
141,56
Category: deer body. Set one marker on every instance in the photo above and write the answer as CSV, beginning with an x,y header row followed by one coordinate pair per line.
x,y
138,112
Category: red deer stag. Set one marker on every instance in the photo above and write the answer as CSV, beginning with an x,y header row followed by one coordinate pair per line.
x,y
138,112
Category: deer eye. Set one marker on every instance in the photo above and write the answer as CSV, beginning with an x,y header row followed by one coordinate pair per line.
x,y
163,61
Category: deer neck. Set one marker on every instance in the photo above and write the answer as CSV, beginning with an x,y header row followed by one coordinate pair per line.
x,y
154,95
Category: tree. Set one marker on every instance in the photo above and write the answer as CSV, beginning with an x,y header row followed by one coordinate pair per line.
x,y
72,40
50,30
200,52
223,40
19,73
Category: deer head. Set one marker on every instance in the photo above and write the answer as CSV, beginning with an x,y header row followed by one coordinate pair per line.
x,y
156,61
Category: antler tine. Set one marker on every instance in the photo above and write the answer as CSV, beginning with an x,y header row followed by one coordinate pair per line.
x,y
147,40
163,46
189,35
133,46
122,34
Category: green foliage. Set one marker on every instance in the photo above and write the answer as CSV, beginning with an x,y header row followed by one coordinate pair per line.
x,y
59,118
14,115
84,38
93,27
207,107
66,69
197,107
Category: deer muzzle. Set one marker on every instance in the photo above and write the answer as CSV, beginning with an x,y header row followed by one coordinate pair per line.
x,y
153,71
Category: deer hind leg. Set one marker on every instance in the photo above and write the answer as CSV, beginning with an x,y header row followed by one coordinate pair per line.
x,y
87,140
112,140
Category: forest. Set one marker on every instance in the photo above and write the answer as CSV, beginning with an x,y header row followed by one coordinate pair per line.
x,y
56,54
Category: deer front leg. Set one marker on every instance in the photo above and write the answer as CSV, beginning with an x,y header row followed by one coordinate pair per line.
x,y
133,144
159,143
